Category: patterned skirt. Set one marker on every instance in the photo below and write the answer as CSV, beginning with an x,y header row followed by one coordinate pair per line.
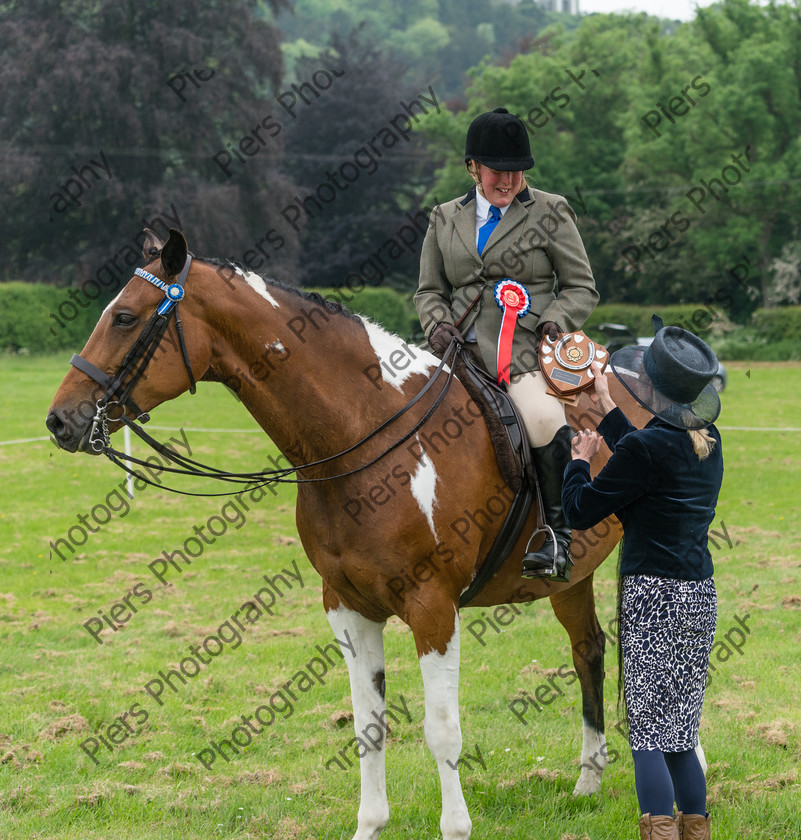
x,y
666,631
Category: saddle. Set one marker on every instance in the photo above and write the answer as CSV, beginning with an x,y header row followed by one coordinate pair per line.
x,y
513,455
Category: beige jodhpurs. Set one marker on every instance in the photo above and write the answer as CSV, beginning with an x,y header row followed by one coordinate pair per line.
x,y
543,415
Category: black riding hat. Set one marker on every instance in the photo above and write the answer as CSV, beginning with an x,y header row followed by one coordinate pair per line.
x,y
672,377
499,140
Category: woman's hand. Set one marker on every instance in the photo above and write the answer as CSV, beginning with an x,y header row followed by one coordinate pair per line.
x,y
600,393
585,445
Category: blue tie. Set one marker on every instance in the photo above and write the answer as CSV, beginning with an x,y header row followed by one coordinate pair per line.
x,y
486,229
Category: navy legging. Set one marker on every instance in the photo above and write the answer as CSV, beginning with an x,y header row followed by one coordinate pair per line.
x,y
662,778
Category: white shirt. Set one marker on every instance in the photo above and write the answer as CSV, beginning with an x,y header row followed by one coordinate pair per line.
x,y
483,211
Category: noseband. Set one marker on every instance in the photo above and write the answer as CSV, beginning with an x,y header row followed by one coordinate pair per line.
x,y
120,386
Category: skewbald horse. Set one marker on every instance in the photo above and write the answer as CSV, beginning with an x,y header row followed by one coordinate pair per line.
x,y
403,536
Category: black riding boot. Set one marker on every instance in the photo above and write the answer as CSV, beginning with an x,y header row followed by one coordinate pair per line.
x,y
553,560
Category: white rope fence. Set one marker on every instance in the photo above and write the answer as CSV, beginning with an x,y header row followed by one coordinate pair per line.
x,y
261,432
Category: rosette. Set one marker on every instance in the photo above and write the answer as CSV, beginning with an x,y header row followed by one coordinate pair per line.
x,y
515,301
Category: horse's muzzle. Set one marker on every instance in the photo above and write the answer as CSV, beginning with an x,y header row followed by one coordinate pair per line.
x,y
68,434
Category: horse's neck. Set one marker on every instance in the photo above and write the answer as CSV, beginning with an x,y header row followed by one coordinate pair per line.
x,y
303,372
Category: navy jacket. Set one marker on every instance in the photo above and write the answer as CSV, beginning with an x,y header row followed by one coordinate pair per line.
x,y
662,493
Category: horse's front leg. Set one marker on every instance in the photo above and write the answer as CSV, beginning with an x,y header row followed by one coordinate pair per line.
x,y
365,661
443,733
575,609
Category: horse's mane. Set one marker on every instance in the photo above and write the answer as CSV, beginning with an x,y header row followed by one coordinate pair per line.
x,y
330,306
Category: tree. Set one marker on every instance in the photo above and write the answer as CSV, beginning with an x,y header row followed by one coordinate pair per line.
x,y
361,174
729,145
119,111
436,39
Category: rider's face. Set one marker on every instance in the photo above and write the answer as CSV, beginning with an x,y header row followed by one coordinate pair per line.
x,y
499,188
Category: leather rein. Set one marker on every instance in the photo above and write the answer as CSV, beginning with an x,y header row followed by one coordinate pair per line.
x,y
120,386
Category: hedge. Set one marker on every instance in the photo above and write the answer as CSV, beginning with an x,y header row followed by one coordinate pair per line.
x,y
691,316
776,325
772,335
36,318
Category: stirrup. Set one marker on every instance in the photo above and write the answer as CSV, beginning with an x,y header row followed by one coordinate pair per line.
x,y
554,568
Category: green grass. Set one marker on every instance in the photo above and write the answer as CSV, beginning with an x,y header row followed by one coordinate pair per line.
x,y
54,675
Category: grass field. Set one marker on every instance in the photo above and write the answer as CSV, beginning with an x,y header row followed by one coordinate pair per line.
x,y
61,688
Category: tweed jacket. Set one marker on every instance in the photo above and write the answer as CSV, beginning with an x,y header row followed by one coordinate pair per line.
x,y
536,243
664,496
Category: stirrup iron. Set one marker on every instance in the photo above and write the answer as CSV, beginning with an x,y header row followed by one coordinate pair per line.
x,y
556,571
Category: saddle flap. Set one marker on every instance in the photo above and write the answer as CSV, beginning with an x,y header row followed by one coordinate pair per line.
x,y
503,420
513,454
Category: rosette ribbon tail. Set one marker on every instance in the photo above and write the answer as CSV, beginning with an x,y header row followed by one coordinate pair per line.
x,y
515,302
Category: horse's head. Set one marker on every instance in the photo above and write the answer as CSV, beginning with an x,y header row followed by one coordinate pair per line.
x,y
133,360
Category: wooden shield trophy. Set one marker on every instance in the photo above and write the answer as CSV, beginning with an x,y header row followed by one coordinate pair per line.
x,y
565,364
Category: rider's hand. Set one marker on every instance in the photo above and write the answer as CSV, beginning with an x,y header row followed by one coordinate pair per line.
x,y
551,329
441,336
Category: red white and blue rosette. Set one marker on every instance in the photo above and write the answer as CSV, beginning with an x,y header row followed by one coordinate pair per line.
x,y
515,301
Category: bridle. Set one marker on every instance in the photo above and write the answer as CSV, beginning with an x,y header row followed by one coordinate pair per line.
x,y
120,386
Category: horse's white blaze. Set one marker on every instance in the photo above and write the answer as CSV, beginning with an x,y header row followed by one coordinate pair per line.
x,y
258,285
396,359
594,758
423,485
112,303
444,735
364,662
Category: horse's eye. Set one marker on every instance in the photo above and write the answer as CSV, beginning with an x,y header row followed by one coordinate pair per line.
x,y
124,319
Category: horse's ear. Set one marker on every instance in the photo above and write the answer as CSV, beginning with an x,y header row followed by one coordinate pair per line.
x,y
153,245
173,254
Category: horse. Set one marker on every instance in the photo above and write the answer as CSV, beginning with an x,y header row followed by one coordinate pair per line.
x,y
391,529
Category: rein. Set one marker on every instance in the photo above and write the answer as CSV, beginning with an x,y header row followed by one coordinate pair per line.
x,y
135,363
188,466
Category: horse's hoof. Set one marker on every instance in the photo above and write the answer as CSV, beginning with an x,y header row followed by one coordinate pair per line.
x,y
587,787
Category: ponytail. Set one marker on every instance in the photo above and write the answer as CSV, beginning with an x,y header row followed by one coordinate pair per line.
x,y
703,442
